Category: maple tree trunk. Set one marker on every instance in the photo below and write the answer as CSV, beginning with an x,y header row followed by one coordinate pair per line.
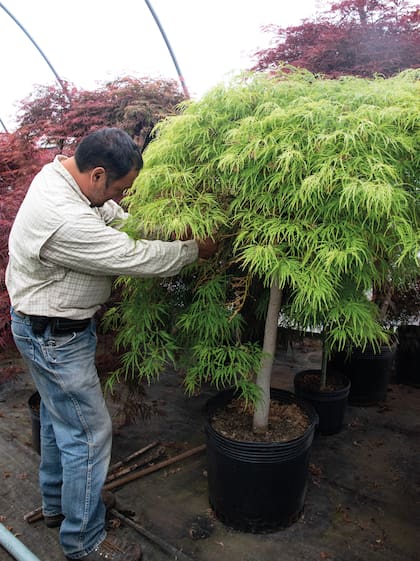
x,y
260,421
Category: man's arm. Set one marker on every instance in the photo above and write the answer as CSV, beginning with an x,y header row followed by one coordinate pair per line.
x,y
96,249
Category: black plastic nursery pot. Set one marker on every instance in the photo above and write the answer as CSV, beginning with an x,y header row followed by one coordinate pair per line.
x,y
407,358
368,371
34,403
258,486
330,405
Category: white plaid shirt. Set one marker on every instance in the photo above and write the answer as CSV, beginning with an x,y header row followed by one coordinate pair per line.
x,y
64,255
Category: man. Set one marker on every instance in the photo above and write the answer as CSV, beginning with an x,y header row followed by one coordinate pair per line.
x,y
65,248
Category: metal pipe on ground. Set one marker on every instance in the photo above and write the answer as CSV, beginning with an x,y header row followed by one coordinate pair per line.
x,y
14,546
178,555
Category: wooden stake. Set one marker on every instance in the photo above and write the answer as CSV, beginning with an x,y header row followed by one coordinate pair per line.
x,y
117,465
128,469
156,467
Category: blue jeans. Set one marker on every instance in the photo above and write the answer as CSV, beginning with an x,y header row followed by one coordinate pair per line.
x,y
76,431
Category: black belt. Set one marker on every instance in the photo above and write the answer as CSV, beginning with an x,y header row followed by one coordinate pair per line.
x,y
59,326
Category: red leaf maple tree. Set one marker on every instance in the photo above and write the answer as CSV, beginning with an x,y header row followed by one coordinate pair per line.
x,y
352,37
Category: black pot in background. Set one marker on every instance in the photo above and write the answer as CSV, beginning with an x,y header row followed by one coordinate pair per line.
x,y
257,486
368,371
331,404
34,403
407,358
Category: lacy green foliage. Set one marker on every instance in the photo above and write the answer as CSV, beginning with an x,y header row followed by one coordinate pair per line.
x,y
307,181
147,318
225,366
163,322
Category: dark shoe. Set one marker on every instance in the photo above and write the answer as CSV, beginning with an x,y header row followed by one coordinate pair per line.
x,y
56,520
53,521
113,549
109,499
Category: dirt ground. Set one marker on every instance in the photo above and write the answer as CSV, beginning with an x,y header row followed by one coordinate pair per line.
x,y
362,504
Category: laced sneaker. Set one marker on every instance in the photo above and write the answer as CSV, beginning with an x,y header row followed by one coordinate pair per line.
x,y
113,549
56,520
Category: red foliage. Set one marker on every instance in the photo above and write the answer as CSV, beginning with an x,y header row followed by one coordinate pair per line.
x,y
48,124
354,37
130,103
20,160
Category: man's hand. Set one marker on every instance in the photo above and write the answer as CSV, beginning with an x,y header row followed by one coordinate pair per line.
x,y
207,248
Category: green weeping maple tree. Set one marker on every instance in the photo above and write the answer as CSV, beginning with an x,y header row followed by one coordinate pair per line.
x,y
311,187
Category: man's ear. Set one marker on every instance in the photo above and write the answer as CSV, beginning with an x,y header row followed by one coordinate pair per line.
x,y
97,175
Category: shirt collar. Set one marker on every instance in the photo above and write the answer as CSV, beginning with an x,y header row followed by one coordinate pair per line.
x,y
58,166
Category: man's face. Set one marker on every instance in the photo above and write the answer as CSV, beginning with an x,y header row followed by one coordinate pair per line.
x,y
102,190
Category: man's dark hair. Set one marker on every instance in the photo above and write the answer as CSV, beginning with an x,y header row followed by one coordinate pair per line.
x,y
110,148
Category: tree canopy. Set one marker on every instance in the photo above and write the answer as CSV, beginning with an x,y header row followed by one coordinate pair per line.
x,y
308,183
352,37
